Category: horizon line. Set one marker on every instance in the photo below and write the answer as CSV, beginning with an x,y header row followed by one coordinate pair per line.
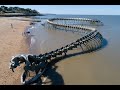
x,y
79,14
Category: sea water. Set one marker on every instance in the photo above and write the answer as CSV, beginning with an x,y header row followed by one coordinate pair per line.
x,y
99,67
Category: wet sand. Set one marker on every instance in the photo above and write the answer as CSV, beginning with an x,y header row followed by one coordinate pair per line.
x,y
11,43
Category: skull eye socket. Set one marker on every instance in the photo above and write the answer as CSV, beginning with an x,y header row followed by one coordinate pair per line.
x,y
18,58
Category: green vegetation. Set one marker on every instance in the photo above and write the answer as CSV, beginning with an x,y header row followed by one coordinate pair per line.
x,y
18,10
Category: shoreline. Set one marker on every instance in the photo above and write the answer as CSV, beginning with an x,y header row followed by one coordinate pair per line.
x,y
11,42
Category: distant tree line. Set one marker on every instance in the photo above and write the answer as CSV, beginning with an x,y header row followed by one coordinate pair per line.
x,y
4,9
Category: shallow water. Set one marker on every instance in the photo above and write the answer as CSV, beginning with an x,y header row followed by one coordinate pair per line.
x,y
99,67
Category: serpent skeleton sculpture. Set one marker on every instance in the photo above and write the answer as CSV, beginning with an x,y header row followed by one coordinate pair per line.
x,y
92,40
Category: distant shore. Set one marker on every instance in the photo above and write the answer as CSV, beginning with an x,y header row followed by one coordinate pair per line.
x,y
18,15
11,43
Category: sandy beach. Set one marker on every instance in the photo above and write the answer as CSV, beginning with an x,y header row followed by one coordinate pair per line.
x,y
11,43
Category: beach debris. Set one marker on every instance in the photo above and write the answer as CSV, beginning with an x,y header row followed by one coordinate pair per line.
x,y
11,25
38,63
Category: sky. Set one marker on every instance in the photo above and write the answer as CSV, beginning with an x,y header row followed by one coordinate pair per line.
x,y
74,9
